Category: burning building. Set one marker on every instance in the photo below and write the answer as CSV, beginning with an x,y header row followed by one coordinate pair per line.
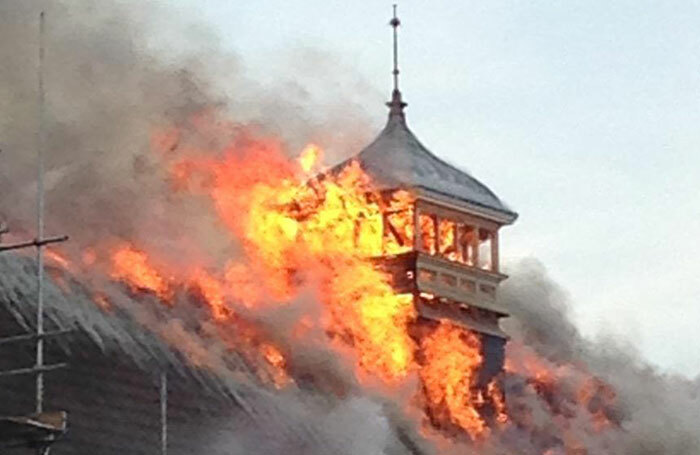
x,y
405,248
235,297
439,236
309,329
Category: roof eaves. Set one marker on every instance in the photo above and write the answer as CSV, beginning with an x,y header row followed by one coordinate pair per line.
x,y
502,216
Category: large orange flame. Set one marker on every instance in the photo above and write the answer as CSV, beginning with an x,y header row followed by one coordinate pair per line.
x,y
452,356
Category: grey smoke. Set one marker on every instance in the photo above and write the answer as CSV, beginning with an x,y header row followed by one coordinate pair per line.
x,y
115,72
658,413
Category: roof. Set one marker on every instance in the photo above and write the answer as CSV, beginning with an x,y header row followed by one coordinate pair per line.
x,y
397,159
115,354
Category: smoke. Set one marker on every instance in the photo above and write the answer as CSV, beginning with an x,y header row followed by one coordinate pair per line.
x,y
652,412
352,427
117,73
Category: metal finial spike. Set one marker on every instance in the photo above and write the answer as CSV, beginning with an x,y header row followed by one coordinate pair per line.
x,y
396,104
395,22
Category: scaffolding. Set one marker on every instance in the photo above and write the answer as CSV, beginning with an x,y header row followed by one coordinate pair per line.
x,y
40,429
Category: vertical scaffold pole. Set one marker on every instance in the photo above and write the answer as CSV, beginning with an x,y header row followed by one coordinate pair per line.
x,y
40,227
163,413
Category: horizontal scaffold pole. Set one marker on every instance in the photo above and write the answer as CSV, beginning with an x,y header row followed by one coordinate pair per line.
x,y
35,242
33,370
33,336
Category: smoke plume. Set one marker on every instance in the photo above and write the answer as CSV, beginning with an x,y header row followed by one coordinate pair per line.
x,y
115,74
654,412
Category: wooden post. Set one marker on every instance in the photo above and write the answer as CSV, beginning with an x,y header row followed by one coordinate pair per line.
x,y
475,247
494,252
455,240
417,236
436,229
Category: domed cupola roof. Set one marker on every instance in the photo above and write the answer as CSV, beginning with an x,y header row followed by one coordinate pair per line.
x,y
396,159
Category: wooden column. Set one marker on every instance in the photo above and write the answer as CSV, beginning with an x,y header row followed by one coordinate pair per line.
x,y
455,241
436,229
494,251
417,235
475,247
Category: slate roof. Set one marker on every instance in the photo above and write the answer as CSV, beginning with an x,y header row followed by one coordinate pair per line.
x,y
110,388
397,159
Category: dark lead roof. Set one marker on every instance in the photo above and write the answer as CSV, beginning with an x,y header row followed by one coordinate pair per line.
x,y
397,159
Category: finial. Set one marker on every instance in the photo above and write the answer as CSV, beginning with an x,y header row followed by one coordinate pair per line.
x,y
396,105
395,22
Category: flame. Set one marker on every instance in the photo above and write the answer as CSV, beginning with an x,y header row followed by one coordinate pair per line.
x,y
427,229
273,356
57,258
213,291
447,237
452,357
325,230
400,225
310,157
132,267
568,391
242,286
495,393
298,232
294,232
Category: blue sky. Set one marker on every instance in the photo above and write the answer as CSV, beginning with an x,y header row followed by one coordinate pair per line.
x,y
583,115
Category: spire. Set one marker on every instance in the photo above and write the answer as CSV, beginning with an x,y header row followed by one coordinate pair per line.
x,y
396,104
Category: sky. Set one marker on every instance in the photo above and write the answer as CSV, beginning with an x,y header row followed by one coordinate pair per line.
x,y
582,115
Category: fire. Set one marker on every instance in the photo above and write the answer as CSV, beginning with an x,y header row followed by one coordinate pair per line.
x,y
276,360
132,266
568,392
213,292
452,357
448,239
495,393
310,157
322,231
428,233
57,258
399,235
298,232
241,285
